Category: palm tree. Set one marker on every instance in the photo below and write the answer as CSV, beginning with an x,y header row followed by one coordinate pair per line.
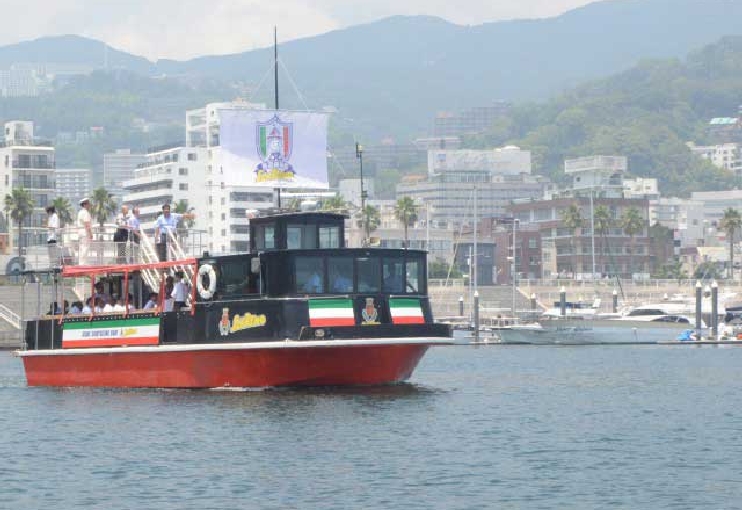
x,y
103,207
632,223
181,208
603,222
406,212
572,219
372,216
336,203
20,206
730,223
64,210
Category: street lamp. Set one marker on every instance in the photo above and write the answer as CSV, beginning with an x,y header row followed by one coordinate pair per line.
x,y
364,218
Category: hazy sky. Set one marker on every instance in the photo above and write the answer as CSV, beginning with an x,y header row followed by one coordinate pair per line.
x,y
185,28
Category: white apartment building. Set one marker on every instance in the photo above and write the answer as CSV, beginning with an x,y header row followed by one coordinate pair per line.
x,y
27,163
725,156
74,184
118,166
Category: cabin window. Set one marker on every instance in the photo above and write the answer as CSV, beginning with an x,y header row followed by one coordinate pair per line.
x,y
235,278
369,274
301,237
309,274
329,237
414,276
340,270
264,238
394,275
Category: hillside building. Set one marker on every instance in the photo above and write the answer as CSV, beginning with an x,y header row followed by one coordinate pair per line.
x,y
725,156
473,120
74,184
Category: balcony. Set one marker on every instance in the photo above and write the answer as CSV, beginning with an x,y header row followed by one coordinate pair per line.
x,y
26,143
34,165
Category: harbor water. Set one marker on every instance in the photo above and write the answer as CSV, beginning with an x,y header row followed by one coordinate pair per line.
x,y
578,427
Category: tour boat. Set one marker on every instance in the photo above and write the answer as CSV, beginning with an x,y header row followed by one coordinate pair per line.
x,y
300,309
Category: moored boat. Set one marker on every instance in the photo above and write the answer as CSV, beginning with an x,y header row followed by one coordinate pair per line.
x,y
300,309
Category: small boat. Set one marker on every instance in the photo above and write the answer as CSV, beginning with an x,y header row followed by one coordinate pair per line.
x,y
300,309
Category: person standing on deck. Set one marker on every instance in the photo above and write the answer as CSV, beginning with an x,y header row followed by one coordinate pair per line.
x,y
121,236
84,231
180,292
52,226
166,224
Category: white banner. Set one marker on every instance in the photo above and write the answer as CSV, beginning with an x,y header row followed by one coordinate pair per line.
x,y
274,149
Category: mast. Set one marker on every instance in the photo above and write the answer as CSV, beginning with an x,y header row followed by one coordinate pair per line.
x,y
476,253
275,66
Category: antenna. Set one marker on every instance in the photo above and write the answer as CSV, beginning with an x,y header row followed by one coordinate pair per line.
x,y
275,65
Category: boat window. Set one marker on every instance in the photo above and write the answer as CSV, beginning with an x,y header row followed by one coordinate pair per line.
x,y
301,237
329,237
369,274
645,311
235,278
393,275
264,237
415,278
309,274
340,270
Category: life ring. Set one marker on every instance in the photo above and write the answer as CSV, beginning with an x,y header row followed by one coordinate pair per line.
x,y
206,270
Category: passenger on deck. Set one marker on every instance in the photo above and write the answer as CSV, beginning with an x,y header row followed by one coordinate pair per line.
x,y
99,304
108,307
180,292
341,283
151,302
76,308
84,231
119,306
88,308
66,307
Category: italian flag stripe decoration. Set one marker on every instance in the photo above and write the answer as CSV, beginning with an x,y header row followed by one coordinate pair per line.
x,y
331,312
111,332
406,311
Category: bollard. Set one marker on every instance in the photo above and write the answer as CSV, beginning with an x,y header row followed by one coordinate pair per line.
x,y
476,316
699,297
533,301
562,301
714,310
615,301
461,306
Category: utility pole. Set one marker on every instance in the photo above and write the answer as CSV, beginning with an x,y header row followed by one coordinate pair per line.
x,y
364,216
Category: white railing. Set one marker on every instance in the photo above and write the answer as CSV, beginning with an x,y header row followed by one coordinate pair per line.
x,y
10,316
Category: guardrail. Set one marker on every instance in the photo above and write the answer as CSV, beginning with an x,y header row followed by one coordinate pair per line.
x,y
10,317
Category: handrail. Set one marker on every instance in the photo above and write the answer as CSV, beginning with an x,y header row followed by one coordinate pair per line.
x,y
10,317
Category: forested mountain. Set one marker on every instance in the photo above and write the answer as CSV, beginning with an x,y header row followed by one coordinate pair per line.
x,y
646,113
391,76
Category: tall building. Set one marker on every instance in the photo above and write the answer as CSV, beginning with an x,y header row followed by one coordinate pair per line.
x,y
726,156
73,184
473,120
119,166
497,176
28,163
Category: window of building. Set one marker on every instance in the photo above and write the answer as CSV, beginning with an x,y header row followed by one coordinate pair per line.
x,y
224,216
183,186
301,236
192,156
532,244
182,171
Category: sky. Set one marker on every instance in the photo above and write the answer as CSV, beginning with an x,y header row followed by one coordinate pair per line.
x,y
182,29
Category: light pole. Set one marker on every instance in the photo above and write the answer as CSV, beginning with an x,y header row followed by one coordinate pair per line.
x,y
515,224
364,219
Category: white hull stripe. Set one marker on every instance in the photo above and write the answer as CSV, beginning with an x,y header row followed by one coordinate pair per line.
x,y
245,346
331,313
407,311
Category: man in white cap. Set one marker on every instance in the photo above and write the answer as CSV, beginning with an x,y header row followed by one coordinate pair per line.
x,y
84,230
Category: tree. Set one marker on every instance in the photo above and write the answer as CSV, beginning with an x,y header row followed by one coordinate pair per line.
x,y
20,206
730,223
372,216
632,223
603,223
181,208
406,212
64,210
336,203
572,219
103,207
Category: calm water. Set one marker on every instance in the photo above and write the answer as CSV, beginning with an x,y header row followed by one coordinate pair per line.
x,y
649,427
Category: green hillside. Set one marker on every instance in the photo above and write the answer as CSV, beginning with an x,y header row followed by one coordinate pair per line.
x,y
646,113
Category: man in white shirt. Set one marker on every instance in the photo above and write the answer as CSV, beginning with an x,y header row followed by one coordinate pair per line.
x,y
180,292
151,302
121,236
52,227
84,231
167,223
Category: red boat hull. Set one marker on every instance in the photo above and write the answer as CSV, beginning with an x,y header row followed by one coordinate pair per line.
x,y
206,367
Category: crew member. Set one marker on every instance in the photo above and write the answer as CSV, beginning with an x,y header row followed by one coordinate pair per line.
x,y
84,231
167,224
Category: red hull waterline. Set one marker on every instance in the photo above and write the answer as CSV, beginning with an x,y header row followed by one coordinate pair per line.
x,y
228,365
